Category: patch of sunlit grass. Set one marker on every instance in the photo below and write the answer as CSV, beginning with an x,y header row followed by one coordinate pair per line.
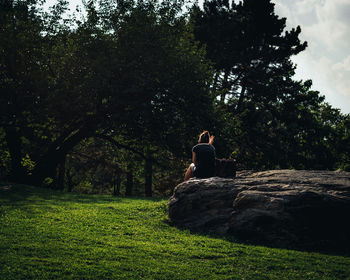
x,y
46,234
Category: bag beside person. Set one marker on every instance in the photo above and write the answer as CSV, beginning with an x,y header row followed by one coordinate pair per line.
x,y
225,167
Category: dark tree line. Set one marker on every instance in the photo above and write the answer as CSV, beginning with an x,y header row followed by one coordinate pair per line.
x,y
115,98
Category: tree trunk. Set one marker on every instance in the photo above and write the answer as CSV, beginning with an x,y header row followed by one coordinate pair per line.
x,y
61,174
129,181
216,78
117,183
240,100
224,87
47,166
148,174
69,181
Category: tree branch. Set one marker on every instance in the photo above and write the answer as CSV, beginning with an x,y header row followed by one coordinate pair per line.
x,y
119,145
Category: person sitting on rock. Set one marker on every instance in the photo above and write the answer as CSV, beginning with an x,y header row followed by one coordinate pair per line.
x,y
203,158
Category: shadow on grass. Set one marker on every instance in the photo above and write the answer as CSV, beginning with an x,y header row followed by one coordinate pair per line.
x,y
17,193
325,249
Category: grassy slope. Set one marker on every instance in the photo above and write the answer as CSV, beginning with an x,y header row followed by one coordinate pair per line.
x,y
49,235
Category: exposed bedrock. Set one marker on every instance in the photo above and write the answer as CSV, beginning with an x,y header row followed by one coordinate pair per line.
x,y
282,208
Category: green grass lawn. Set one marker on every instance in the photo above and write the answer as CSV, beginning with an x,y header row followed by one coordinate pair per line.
x,y
52,235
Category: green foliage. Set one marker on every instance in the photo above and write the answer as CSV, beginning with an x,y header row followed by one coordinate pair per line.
x,y
94,166
270,119
134,76
47,181
28,163
46,234
116,96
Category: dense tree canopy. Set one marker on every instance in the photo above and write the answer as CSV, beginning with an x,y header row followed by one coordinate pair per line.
x,y
117,95
269,115
137,81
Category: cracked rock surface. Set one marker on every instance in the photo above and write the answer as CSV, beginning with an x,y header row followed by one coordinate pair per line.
x,y
282,208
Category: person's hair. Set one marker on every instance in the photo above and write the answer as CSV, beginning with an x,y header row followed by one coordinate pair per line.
x,y
204,137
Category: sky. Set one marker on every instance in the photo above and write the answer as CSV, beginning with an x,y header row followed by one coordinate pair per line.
x,y
325,25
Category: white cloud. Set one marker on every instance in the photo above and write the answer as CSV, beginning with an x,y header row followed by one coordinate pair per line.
x,y
333,24
330,78
325,26
343,66
341,73
306,6
329,33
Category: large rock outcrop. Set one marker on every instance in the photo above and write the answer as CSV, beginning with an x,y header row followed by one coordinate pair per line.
x,y
283,208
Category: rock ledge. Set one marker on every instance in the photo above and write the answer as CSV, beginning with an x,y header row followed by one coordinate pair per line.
x,y
282,208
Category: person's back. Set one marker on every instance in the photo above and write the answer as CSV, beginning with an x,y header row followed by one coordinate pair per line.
x,y
205,160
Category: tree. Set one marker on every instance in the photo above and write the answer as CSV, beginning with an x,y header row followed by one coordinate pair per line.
x,y
165,73
23,78
139,76
266,111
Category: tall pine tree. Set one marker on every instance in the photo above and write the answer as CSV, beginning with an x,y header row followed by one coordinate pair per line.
x,y
265,108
